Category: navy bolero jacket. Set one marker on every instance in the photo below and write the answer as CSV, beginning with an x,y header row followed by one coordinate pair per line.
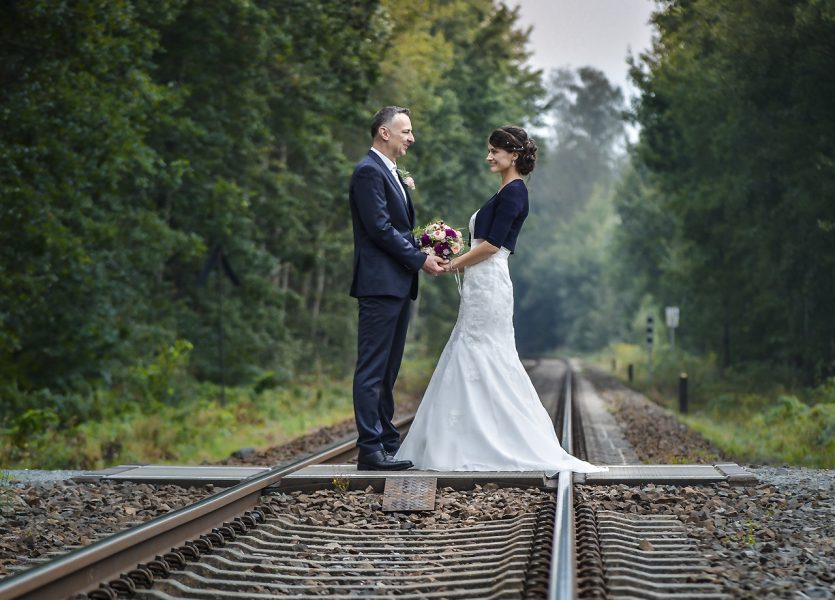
x,y
500,220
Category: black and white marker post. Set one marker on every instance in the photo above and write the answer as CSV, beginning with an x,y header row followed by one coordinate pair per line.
x,y
671,312
650,324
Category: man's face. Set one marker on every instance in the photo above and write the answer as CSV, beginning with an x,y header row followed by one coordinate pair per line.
x,y
398,134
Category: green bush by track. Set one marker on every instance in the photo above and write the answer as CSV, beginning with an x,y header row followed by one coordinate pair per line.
x,y
749,412
141,422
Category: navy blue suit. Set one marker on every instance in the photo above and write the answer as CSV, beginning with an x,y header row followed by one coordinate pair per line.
x,y
386,266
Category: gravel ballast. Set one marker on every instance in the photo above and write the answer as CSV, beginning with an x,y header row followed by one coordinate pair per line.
x,y
772,540
43,517
363,509
654,432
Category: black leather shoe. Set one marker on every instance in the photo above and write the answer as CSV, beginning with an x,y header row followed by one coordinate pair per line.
x,y
380,461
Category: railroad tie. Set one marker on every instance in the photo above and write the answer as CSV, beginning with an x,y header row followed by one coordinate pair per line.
x,y
650,556
294,560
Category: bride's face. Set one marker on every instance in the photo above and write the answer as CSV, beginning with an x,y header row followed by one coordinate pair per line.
x,y
499,160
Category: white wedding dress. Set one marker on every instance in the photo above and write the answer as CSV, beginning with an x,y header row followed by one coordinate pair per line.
x,y
480,411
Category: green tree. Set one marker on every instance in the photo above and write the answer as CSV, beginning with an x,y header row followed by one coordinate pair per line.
x,y
138,137
82,238
561,289
737,141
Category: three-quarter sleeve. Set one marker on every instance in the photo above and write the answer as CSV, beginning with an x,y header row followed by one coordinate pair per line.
x,y
508,209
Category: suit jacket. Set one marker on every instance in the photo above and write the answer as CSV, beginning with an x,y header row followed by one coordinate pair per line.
x,y
386,258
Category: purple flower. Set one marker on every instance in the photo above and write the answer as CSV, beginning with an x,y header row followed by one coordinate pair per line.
x,y
425,240
442,249
451,233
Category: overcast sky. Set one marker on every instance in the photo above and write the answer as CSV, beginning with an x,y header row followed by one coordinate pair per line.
x,y
587,32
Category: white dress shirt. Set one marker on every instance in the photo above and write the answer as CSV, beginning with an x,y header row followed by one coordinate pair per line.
x,y
393,168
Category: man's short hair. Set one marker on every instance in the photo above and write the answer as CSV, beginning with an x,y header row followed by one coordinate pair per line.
x,y
385,116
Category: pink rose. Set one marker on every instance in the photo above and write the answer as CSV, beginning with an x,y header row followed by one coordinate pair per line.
x,y
410,183
456,248
439,234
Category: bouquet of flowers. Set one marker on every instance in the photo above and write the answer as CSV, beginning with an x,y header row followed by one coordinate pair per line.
x,y
439,239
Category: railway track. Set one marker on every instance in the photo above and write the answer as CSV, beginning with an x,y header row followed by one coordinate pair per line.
x,y
240,544
210,521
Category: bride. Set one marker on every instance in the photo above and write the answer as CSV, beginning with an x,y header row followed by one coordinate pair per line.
x,y
480,411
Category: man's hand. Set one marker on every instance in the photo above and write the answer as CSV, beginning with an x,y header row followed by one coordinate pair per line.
x,y
434,265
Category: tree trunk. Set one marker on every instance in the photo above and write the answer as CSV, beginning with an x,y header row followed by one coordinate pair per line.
x,y
726,344
278,279
305,291
317,296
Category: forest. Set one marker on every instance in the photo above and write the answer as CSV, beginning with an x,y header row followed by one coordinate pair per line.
x,y
174,217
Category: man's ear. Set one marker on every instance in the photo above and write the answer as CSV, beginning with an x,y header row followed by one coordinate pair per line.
x,y
385,134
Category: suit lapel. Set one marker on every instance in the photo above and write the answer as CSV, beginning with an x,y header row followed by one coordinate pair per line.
x,y
410,211
409,205
385,169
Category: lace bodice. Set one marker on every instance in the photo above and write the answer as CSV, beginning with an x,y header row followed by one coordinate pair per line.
x,y
485,315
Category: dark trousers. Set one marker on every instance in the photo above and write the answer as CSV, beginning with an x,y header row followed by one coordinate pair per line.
x,y
381,337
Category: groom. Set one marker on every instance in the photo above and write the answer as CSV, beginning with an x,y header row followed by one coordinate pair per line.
x,y
386,265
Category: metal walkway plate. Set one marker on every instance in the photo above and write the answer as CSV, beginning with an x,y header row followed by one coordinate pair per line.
x,y
315,476
679,474
412,494
173,474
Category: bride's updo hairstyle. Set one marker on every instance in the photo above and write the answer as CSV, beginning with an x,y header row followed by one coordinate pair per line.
x,y
516,139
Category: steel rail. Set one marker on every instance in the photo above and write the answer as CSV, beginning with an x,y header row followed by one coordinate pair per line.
x,y
83,569
562,583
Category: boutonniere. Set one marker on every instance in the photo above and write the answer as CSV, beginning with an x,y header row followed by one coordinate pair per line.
x,y
407,178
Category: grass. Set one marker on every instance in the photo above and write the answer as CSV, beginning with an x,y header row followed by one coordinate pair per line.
x,y
196,429
750,412
6,490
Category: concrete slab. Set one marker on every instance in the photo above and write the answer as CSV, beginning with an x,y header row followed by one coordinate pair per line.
x,y
316,476
661,474
174,474
321,475
34,476
737,475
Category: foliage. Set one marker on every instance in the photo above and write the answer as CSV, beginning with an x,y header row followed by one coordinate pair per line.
x,y
563,269
82,237
747,411
725,211
138,139
198,428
